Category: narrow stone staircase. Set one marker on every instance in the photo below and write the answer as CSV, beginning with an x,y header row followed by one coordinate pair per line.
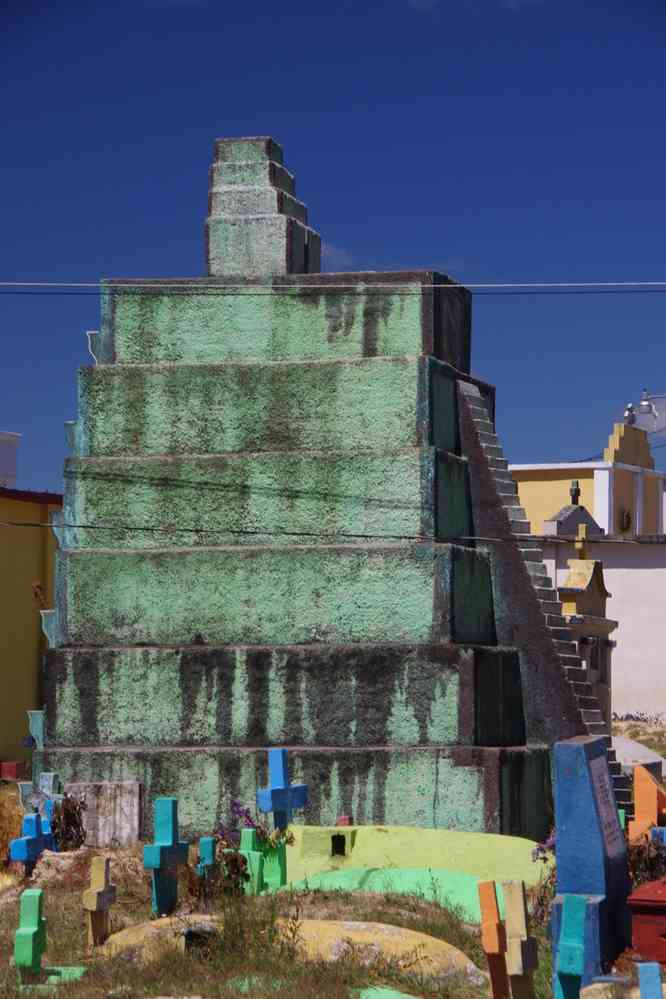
x,y
557,628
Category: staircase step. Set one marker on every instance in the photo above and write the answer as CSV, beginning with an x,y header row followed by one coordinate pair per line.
x,y
569,662
583,690
590,703
550,606
623,798
520,526
531,554
492,450
555,622
497,462
575,674
528,543
591,716
622,781
537,569
484,426
595,728
567,648
615,768
504,479
516,513
488,438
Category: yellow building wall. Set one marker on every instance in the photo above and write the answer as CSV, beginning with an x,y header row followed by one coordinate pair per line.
x,y
543,492
624,498
651,500
26,557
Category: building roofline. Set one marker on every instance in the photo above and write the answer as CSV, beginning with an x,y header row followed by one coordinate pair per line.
x,y
31,496
574,465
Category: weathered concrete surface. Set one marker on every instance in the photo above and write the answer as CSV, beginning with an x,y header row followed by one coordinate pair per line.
x,y
276,595
208,320
551,712
449,787
265,497
361,695
255,226
113,811
377,404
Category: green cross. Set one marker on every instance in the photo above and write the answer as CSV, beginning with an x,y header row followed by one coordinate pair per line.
x,y
30,940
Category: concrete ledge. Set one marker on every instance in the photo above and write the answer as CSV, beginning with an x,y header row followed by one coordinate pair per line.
x,y
292,317
377,404
265,497
335,695
448,787
279,595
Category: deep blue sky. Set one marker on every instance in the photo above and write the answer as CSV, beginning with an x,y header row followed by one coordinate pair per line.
x,y
499,140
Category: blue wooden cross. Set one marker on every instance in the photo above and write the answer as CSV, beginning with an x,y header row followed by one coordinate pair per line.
x,y
649,979
47,825
207,862
164,855
571,948
28,849
281,797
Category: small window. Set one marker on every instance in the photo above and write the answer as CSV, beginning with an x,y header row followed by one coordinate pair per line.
x,y
338,845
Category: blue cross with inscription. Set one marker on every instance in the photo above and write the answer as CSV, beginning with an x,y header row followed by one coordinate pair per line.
x,y
207,860
164,855
281,797
28,849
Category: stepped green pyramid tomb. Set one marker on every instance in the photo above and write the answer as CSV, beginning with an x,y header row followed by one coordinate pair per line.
x,y
268,539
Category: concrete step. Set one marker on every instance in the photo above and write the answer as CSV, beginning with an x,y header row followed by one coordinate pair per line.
x,y
569,662
589,703
531,554
555,622
550,606
596,728
503,479
492,450
546,593
520,526
363,587
488,438
591,716
525,543
567,648
484,426
583,690
537,569
232,407
497,462
576,674
615,768
515,513
623,781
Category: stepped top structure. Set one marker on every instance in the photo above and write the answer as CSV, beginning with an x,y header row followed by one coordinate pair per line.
x,y
256,226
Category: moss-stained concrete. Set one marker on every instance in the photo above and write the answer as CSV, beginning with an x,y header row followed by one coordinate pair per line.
x,y
447,788
378,404
266,497
210,321
275,594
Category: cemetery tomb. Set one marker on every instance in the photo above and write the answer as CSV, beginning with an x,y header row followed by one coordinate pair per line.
x,y
287,471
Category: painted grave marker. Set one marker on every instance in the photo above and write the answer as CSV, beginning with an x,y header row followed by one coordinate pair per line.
x,y
649,979
30,944
280,797
591,853
250,849
47,825
49,783
493,940
649,804
164,855
522,957
98,899
29,847
207,861
570,960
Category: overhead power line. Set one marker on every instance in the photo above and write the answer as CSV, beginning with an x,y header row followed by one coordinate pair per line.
x,y
360,287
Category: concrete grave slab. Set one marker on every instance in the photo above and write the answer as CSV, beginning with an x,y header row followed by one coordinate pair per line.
x,y
113,811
